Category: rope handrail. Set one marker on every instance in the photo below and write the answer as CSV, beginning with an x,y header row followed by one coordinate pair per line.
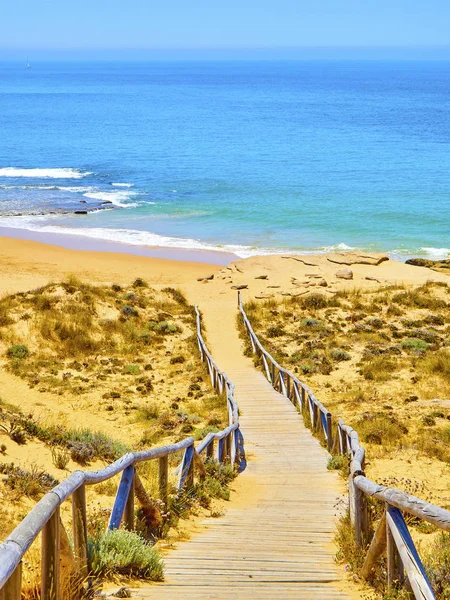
x,y
392,534
45,516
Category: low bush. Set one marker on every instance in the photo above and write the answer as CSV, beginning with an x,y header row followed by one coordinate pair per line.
x,y
415,345
60,457
17,351
125,553
381,429
33,482
379,368
340,355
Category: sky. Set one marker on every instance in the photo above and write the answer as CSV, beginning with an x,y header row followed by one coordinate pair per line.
x,y
208,26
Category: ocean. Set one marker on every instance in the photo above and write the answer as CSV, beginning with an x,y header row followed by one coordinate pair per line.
x,y
247,157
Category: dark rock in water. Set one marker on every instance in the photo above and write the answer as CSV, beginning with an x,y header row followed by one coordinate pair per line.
x,y
105,202
80,212
436,265
83,202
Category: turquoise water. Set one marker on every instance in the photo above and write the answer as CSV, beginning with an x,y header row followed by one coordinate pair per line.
x,y
246,156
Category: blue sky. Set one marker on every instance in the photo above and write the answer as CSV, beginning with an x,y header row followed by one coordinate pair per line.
x,y
205,24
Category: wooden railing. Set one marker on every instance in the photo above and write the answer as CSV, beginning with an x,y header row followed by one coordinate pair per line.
x,y
44,518
391,536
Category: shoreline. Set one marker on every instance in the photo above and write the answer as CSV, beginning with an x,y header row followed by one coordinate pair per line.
x,y
88,244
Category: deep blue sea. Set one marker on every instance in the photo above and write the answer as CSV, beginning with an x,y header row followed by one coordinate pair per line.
x,y
252,157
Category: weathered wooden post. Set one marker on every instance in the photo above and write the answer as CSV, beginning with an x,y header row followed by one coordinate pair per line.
x,y
210,449
12,588
329,433
376,549
221,450
128,514
79,525
303,399
163,477
50,571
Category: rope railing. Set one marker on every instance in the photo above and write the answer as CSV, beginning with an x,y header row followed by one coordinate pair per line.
x,y
45,519
392,536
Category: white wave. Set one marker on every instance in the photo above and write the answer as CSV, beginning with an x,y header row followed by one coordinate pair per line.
x,y
43,173
337,247
125,185
116,198
437,252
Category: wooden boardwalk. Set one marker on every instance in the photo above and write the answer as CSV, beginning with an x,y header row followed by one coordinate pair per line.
x,y
275,540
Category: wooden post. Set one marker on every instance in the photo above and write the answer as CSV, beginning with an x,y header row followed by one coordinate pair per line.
x,y
163,477
273,381
220,450
394,562
376,549
228,447
329,433
303,398
12,588
79,525
50,579
210,449
361,517
128,515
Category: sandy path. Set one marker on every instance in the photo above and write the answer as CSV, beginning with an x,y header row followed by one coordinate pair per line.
x,y
275,539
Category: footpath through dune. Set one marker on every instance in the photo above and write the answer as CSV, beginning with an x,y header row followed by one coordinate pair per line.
x,y
276,538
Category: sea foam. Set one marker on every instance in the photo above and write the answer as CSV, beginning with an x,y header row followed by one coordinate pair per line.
x,y
125,185
43,173
116,198
437,253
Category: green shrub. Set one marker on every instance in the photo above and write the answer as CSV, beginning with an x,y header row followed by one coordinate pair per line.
x,y
380,429
415,345
17,351
129,311
314,301
275,332
32,483
60,457
379,368
177,360
125,553
139,283
131,370
337,462
340,355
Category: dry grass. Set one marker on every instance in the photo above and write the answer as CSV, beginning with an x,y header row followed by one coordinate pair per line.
x,y
376,358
